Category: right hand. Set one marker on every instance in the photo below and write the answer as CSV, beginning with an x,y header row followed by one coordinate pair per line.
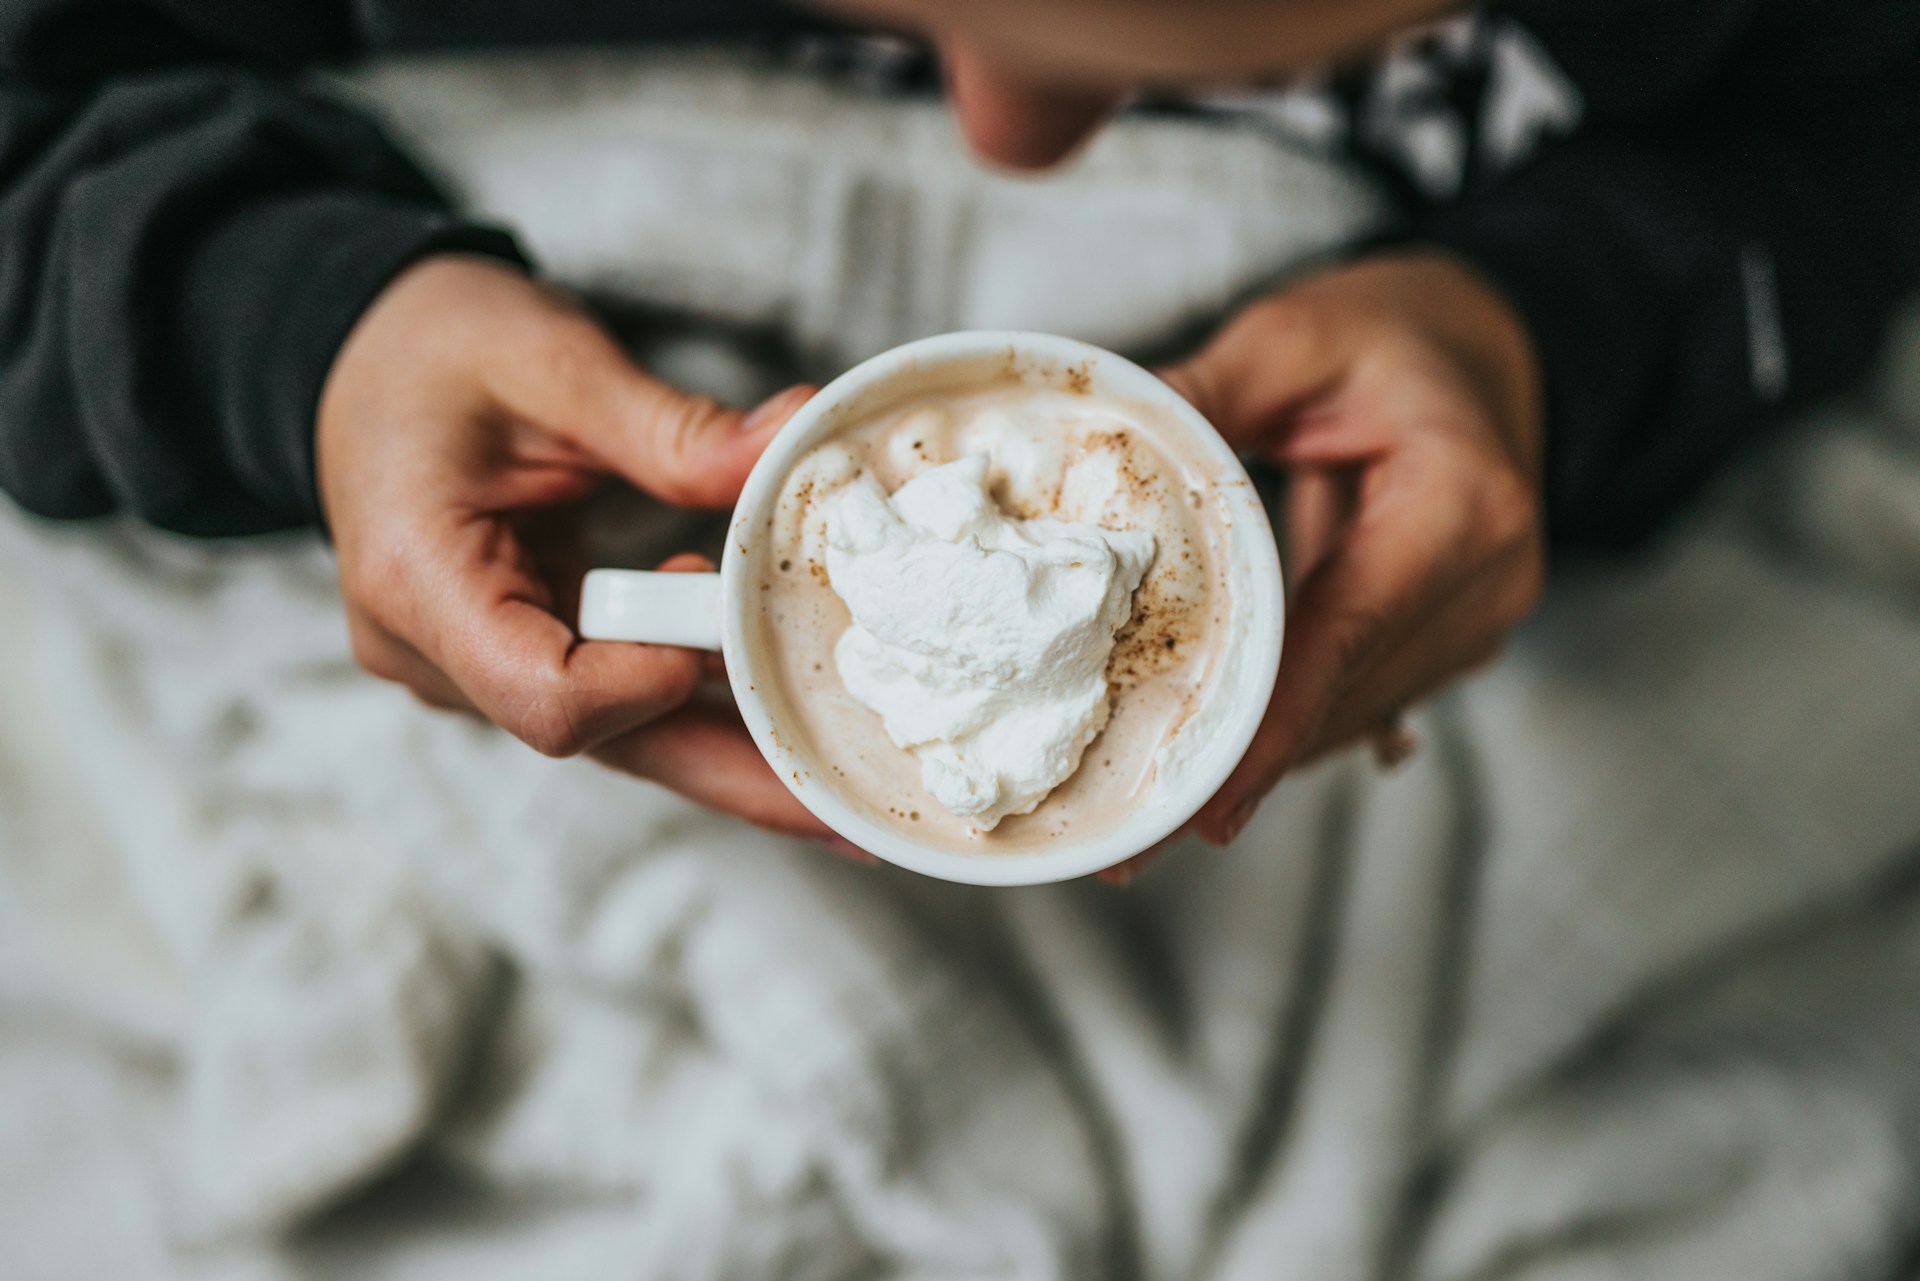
x,y
1401,394
468,403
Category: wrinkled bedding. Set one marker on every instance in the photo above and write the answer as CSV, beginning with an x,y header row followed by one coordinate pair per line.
x,y
1618,978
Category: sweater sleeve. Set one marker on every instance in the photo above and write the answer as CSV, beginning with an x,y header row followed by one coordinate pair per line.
x,y
1694,272
186,238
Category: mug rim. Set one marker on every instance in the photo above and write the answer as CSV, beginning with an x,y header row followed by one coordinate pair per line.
x,y
1250,541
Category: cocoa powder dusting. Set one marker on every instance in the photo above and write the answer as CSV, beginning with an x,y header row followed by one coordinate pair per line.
x,y
1168,633
1160,636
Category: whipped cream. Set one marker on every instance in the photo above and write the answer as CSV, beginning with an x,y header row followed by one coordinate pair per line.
x,y
980,640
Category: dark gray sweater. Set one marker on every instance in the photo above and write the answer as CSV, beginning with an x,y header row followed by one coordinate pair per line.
x,y
186,236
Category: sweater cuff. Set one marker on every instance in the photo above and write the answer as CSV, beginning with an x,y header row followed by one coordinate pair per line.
x,y
1509,260
1634,342
269,299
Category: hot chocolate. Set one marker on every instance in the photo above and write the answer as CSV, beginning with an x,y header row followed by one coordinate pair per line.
x,y
992,612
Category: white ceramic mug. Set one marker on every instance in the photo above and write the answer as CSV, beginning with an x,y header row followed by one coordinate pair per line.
x,y
711,611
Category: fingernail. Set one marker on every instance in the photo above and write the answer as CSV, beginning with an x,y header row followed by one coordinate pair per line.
x,y
761,415
1241,816
771,408
1119,877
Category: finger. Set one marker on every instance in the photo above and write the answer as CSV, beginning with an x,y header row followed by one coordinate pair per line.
x,y
706,755
1319,504
570,378
1329,626
1018,120
714,667
1121,875
686,563
713,664
771,414
563,696
692,451
1398,555
433,687
1463,635
486,620
557,555
847,850
1270,361
386,656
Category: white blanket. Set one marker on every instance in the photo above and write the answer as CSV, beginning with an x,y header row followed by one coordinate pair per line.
x,y
1619,978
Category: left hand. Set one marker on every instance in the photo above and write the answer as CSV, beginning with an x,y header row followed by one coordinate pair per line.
x,y
1402,395
469,410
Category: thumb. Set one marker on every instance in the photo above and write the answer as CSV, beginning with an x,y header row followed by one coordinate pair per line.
x,y
568,376
691,450
1252,379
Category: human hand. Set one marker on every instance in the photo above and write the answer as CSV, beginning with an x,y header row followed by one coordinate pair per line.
x,y
1402,396
466,407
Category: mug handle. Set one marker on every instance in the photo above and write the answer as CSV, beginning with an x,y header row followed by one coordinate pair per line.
x,y
651,609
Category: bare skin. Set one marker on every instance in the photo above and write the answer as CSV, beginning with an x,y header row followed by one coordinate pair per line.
x,y
1030,82
1402,397
1401,394
469,408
